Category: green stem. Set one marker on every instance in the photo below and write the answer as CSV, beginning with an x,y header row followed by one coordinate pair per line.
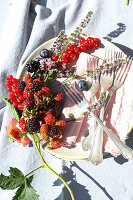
x,y
45,165
33,171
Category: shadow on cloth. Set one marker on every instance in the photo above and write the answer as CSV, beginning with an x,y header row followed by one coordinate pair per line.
x,y
121,28
74,164
79,191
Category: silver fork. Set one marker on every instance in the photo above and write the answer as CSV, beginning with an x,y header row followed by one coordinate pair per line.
x,y
106,81
94,81
77,98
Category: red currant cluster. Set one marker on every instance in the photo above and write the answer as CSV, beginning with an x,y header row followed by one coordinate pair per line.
x,y
15,95
72,51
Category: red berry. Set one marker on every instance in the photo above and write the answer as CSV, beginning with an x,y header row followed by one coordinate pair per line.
x,y
65,54
12,97
86,43
45,137
56,142
72,56
60,123
27,94
64,60
15,90
70,47
77,50
27,79
15,103
55,58
58,96
82,48
15,81
96,40
82,40
46,91
44,128
8,82
9,88
21,98
10,77
22,122
90,39
49,119
20,106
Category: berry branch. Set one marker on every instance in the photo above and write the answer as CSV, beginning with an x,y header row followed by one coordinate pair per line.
x,y
46,165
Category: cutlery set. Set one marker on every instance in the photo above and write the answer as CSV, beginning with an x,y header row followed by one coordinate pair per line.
x,y
109,80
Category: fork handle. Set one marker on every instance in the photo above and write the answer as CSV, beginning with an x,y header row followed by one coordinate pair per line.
x,y
126,151
96,154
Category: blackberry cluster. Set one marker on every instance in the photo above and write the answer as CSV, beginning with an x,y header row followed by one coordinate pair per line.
x,y
33,125
36,86
53,131
32,66
21,86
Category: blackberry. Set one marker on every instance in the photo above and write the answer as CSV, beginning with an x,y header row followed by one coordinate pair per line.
x,y
29,102
21,86
54,130
33,125
36,86
32,66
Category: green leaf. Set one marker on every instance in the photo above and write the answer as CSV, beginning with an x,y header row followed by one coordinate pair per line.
x,y
14,180
12,108
26,192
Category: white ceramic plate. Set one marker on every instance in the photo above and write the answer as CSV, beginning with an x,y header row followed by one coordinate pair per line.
x,y
65,153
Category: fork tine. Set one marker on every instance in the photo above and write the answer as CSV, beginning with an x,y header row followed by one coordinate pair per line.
x,y
70,94
80,95
121,70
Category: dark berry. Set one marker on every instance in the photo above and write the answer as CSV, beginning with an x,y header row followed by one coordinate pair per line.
x,y
33,125
38,60
54,130
82,85
36,86
21,86
44,53
32,66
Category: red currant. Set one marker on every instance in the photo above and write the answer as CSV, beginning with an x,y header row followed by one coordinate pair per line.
x,y
15,90
64,60
72,56
10,77
15,103
96,40
15,81
11,97
21,98
8,82
70,47
20,106
82,40
55,58
9,88
82,48
65,54
77,50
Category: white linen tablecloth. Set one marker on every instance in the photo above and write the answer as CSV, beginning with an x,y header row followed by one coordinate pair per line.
x,y
24,26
